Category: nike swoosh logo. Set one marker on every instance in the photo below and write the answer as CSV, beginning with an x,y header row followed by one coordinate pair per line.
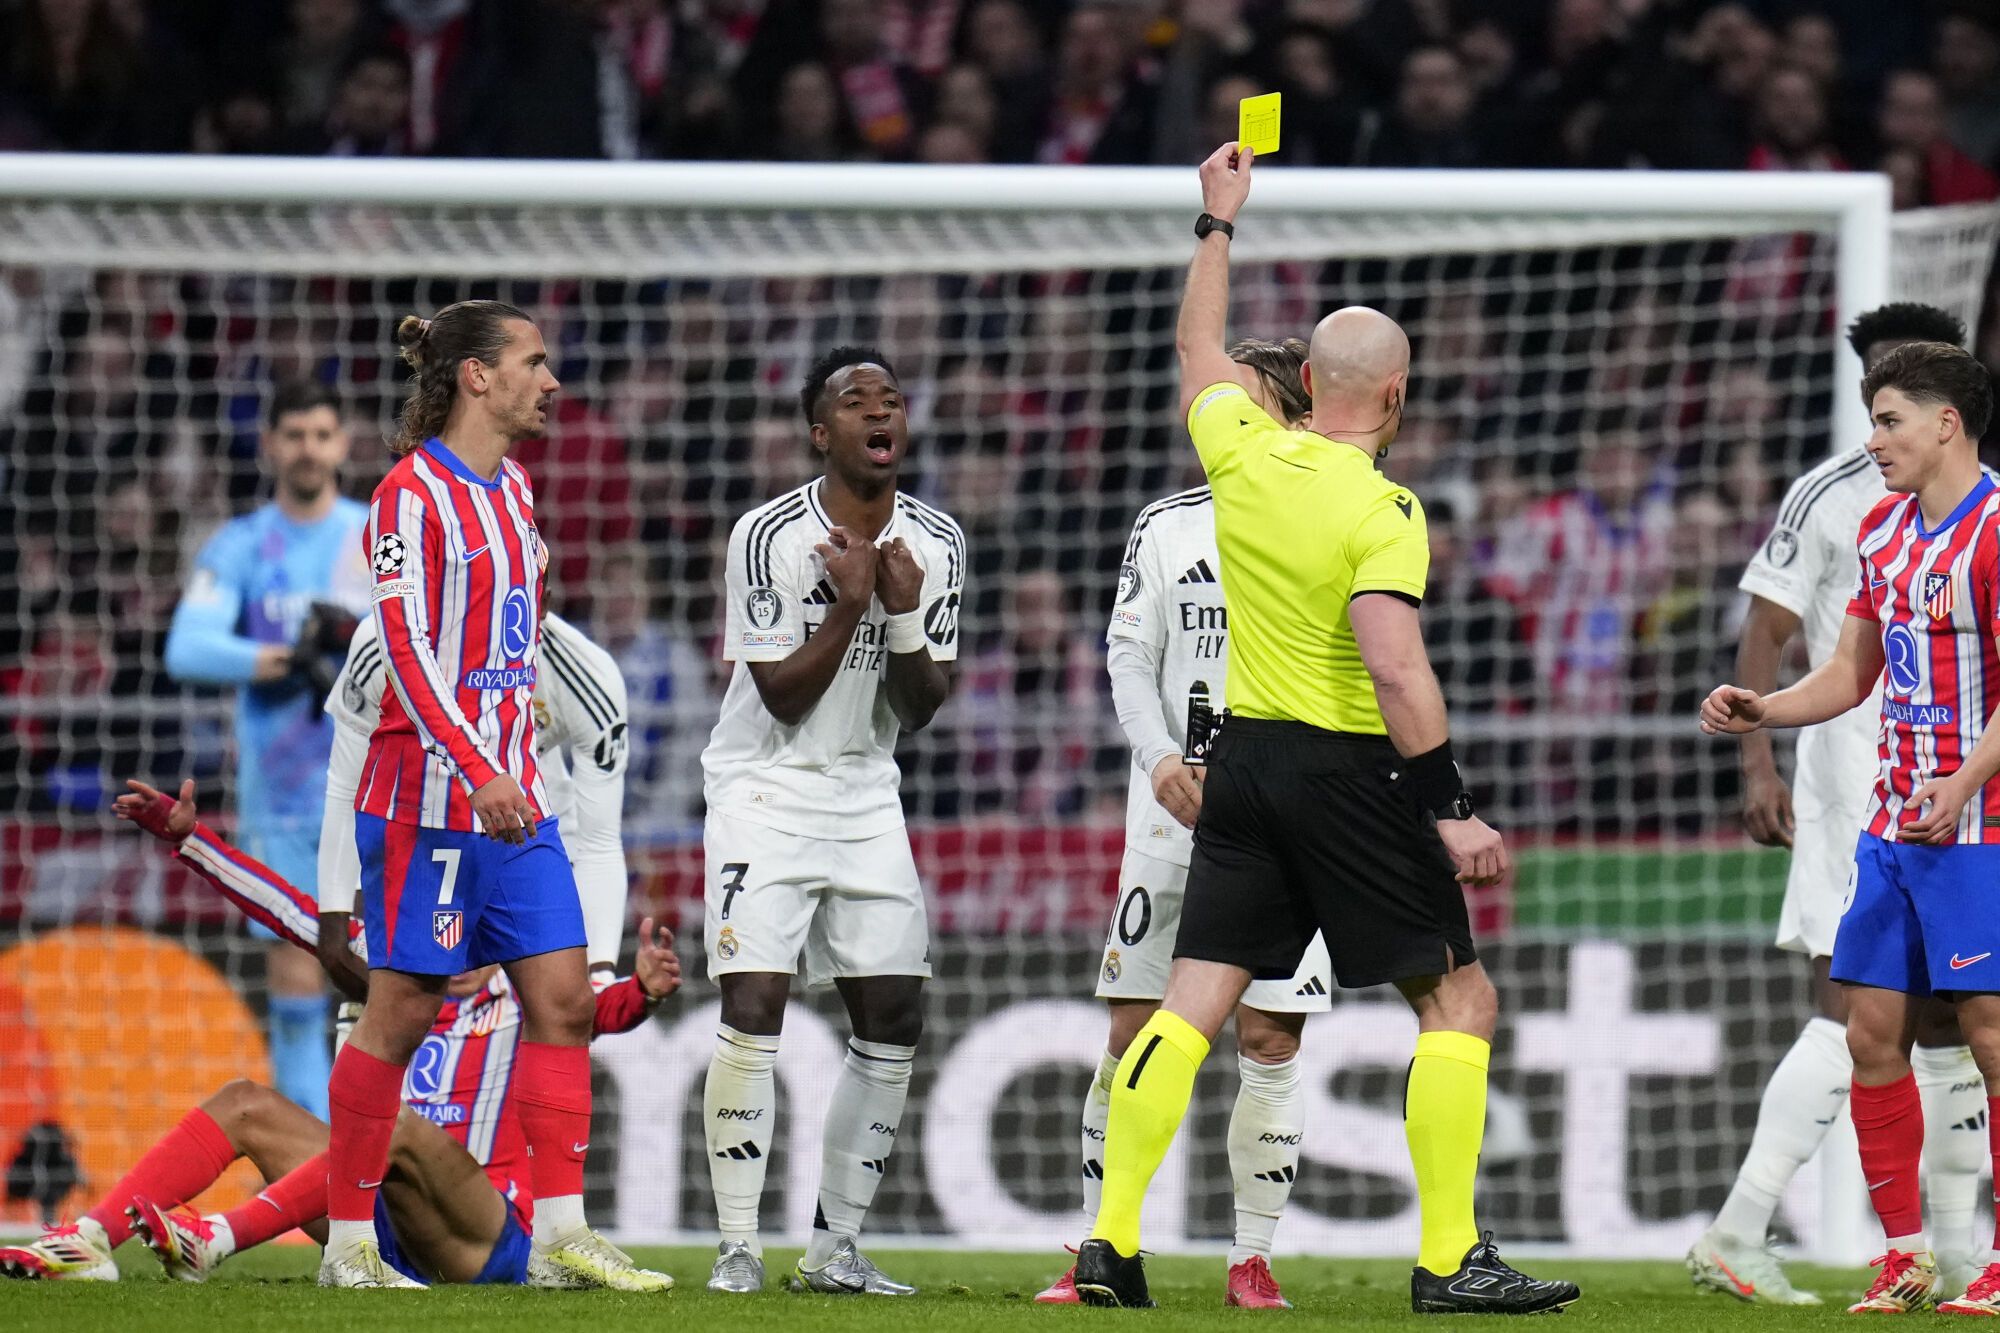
x,y
1957,962
464,554
1829,1120
1741,1286
579,1148
368,1184
1880,1183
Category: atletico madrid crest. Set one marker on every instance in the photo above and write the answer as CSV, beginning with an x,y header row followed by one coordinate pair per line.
x,y
448,928
1938,596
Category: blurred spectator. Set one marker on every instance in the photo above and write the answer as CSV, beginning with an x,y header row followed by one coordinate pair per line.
x,y
1103,103
1323,111
438,37
244,121
1582,565
1432,124
882,96
1472,634
672,699
1966,58
324,37
83,79
966,103
370,116
1027,701
1912,122
1000,38
1791,125
812,123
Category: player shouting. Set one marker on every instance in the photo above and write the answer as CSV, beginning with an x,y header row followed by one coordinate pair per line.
x,y
1169,653
1919,920
1801,579
460,865
453,1207
843,600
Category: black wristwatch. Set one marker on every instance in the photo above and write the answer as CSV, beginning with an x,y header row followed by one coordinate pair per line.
x,y
1208,222
1459,807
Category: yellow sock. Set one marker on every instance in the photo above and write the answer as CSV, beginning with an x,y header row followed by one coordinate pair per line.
x,y
1149,1096
1444,1118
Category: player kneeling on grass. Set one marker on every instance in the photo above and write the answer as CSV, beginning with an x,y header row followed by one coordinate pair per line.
x,y
1169,651
453,1206
1920,919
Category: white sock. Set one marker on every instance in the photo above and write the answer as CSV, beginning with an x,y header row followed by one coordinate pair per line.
x,y
1908,1244
739,1104
861,1124
1800,1104
1265,1130
1956,1149
1096,1115
222,1240
344,1236
557,1218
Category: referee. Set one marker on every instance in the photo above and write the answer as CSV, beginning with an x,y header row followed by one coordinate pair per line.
x,y
1332,801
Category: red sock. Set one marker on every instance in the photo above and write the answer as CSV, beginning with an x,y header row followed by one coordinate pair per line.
x,y
191,1157
364,1093
552,1093
1889,1121
1993,1145
289,1201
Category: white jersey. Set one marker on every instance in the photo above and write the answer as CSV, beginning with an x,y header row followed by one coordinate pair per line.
x,y
1808,565
1170,597
580,714
834,775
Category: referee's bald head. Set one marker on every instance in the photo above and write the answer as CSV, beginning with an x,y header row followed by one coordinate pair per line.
x,y
1359,364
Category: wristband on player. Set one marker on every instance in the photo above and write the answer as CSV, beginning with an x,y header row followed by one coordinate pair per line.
x,y
1433,781
906,632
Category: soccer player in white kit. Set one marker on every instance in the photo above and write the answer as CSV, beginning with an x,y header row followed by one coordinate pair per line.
x,y
1802,577
842,621
1168,656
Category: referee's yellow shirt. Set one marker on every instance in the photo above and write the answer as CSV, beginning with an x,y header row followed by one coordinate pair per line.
x,y
1303,524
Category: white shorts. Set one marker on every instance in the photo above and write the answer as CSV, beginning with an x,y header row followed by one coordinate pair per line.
x,y
1139,948
1822,868
848,909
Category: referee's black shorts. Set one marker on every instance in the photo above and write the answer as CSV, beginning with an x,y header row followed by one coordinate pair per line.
x,y
1301,830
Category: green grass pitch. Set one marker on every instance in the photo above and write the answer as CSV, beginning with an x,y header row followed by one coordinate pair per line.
x,y
272,1290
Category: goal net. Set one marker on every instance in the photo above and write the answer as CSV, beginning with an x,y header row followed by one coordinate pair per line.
x,y
1615,379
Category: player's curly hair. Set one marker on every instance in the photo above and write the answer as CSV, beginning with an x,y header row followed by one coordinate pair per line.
x,y
1936,372
1278,363
1904,322
822,370
435,348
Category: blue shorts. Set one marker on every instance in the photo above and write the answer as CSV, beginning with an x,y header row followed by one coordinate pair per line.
x,y
1921,920
440,901
291,848
508,1264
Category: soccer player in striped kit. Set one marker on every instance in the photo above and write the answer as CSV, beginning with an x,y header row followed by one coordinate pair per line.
x,y
460,865
1921,919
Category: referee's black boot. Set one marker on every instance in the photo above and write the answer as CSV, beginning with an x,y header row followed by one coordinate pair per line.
x,y
1483,1284
1106,1277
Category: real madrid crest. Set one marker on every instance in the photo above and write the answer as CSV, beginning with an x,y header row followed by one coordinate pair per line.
x,y
1112,968
725,944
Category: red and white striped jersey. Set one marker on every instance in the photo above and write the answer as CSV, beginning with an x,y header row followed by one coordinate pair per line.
x,y
1936,596
457,564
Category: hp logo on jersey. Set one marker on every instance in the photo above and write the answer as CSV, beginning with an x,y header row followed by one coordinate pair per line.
x,y
517,623
1905,658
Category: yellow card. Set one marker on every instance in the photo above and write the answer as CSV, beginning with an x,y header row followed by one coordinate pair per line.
x,y
1257,123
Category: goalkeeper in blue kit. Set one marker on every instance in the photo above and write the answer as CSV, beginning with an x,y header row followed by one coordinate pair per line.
x,y
268,608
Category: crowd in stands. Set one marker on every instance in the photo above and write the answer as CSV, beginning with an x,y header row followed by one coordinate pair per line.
x,y
1585,575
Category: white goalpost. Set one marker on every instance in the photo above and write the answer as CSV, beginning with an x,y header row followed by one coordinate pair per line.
x,y
1657,353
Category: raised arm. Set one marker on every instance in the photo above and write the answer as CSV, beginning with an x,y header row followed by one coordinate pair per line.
x,y
202,643
1202,333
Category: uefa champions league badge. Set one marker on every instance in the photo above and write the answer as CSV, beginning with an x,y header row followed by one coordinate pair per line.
x,y
1112,968
725,944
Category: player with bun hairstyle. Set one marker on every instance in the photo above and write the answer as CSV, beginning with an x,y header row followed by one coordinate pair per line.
x,y
461,865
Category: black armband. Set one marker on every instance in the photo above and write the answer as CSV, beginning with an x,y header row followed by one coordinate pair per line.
x,y
1433,781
